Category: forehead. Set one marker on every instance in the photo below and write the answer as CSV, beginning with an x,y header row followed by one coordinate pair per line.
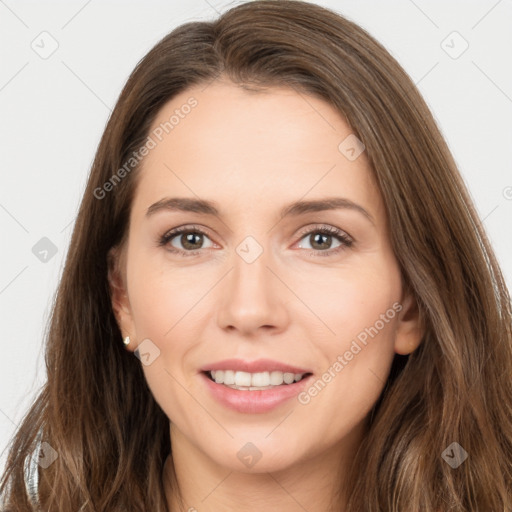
x,y
251,149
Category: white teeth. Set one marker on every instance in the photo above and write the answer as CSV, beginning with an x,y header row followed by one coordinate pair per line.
x,y
289,378
229,377
257,380
243,379
276,378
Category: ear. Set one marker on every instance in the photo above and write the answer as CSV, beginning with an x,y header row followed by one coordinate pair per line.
x,y
119,295
410,327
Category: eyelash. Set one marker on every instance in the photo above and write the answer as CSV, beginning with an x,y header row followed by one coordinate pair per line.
x,y
345,240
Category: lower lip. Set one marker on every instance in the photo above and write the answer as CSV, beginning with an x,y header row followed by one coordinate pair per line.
x,y
254,402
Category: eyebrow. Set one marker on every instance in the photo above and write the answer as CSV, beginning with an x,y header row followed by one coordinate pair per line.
x,y
205,207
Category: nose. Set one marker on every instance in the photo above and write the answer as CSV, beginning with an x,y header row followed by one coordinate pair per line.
x,y
253,298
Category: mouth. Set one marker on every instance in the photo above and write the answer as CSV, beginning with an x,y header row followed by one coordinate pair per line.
x,y
258,381
254,386
243,396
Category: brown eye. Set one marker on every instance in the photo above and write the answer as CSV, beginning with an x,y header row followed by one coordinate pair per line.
x,y
321,240
191,240
186,240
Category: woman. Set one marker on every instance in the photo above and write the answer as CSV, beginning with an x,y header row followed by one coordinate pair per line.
x,y
371,375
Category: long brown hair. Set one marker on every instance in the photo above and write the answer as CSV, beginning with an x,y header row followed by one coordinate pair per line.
x,y
96,409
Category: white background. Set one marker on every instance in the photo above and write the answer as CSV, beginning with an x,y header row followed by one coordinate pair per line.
x,y
53,111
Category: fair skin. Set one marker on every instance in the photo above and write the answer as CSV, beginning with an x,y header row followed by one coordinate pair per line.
x,y
253,154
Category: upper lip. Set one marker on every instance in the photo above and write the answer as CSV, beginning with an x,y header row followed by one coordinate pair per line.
x,y
259,365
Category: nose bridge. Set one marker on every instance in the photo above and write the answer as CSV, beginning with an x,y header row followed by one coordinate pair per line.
x,y
250,272
251,297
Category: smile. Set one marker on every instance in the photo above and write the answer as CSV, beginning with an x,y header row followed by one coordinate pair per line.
x,y
254,399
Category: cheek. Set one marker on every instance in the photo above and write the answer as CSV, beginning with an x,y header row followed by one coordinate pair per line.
x,y
354,299
360,307
355,369
160,296
164,309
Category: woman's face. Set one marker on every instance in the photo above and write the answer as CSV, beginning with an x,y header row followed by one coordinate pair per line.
x,y
258,279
